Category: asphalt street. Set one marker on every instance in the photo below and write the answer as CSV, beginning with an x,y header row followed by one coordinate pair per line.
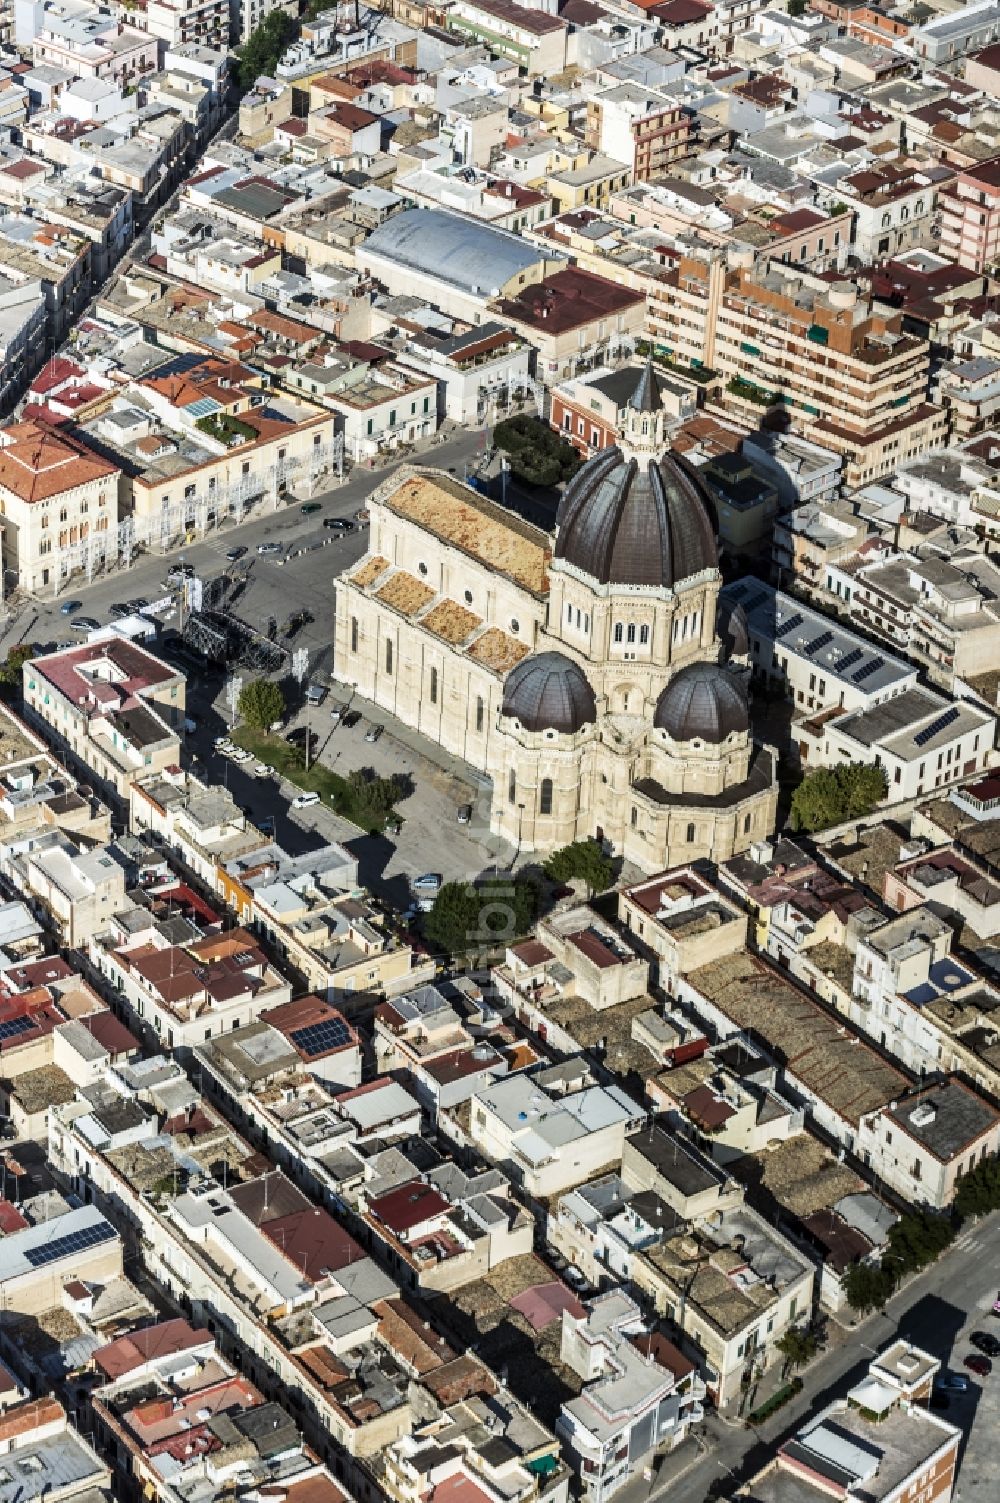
x,y
934,1311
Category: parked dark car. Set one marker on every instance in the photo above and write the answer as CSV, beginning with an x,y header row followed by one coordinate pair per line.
x,y
351,718
984,1342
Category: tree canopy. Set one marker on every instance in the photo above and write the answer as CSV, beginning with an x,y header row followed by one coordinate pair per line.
x,y
583,860
830,795
468,917
797,1345
261,703
536,452
10,668
374,798
262,50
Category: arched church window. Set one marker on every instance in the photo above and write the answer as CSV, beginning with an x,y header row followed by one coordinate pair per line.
x,y
545,796
630,635
635,817
619,631
644,636
690,835
480,711
354,633
512,786
434,686
388,654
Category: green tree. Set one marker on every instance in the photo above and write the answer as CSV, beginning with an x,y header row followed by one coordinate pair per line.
x,y
583,860
978,1192
262,50
798,1346
916,1240
485,916
261,703
868,1286
10,668
376,797
797,7
536,452
830,795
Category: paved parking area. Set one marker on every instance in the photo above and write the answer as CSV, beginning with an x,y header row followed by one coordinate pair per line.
x,y
977,1413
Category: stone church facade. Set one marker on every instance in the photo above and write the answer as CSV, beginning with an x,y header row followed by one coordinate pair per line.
x,y
590,675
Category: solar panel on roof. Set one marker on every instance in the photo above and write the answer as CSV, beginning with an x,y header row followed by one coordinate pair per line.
x,y
78,1241
819,644
13,1026
854,656
936,726
789,625
319,1037
866,670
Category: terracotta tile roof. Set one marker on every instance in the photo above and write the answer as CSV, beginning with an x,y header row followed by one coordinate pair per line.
x,y
405,593
496,650
369,570
468,521
451,621
37,462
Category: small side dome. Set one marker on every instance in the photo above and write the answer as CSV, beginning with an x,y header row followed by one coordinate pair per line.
x,y
548,692
702,703
732,629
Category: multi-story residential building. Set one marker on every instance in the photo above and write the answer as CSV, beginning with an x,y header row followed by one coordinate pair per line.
x,y
55,491
23,319
952,34
842,367
110,706
588,410
420,1033
643,128
894,207
970,216
58,257
37,1261
38,1442
179,995
942,613
732,1285
640,1396
811,541
92,44
922,1145
533,39
183,23
81,888
553,1142
383,406
479,372
881,1437
434,1242
969,391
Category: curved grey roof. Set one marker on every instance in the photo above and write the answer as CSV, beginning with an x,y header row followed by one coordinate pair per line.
x,y
622,523
702,703
471,256
548,692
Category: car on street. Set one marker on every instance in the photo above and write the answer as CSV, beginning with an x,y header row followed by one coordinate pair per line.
x,y
69,606
336,713
235,554
239,754
304,800
574,1278
221,743
351,719
177,573
429,882
951,1383
311,508
984,1342
85,623
119,609
373,732
338,524
464,813
268,550
981,1366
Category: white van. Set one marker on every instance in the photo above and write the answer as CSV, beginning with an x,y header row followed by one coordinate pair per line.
x,y
315,694
305,800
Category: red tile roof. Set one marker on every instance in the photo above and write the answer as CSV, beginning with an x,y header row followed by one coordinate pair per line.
x,y
312,1240
38,462
408,1206
110,1033
164,1339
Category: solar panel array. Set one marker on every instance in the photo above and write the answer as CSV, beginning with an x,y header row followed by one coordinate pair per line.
x,y
789,625
13,1026
929,731
819,644
79,1241
854,656
866,670
319,1037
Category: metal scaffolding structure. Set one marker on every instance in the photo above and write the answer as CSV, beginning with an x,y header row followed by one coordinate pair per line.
x,y
202,513
501,394
223,638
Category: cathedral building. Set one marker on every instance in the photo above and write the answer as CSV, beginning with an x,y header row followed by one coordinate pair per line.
x,y
592,675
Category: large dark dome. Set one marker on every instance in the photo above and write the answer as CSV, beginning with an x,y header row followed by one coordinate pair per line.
x,y
548,692
621,522
702,703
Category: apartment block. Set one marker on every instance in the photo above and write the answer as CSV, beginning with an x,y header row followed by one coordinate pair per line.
x,y
110,706
839,364
970,216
